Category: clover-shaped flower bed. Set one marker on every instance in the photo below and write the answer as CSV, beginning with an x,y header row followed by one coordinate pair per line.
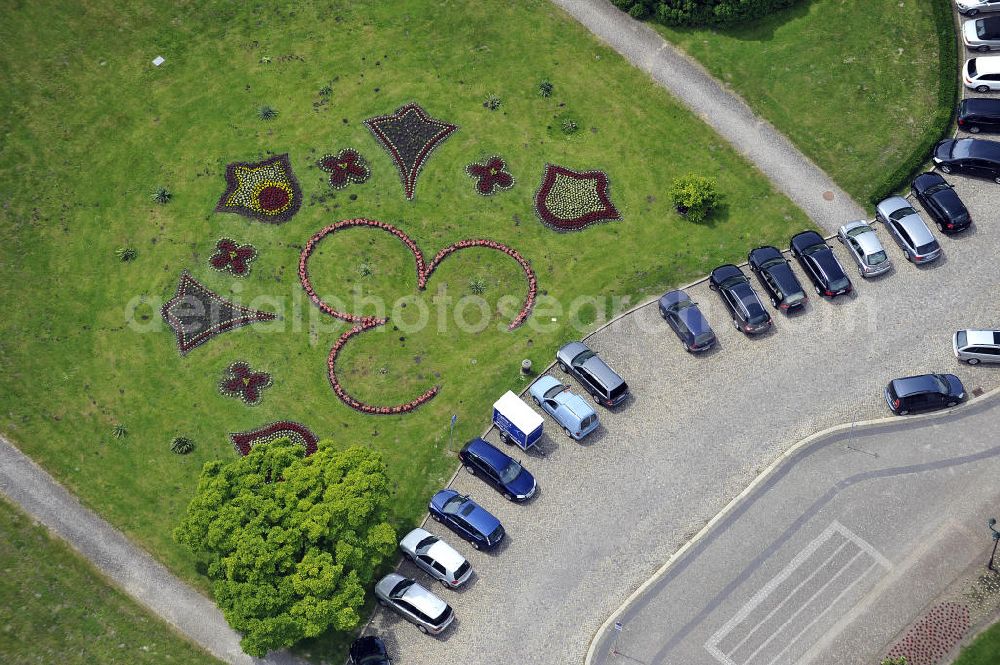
x,y
409,135
424,272
570,200
266,191
241,381
345,167
297,432
232,257
491,174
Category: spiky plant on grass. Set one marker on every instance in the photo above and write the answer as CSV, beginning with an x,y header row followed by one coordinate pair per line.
x,y
119,431
162,195
545,88
365,270
477,285
126,254
569,126
267,113
492,102
181,445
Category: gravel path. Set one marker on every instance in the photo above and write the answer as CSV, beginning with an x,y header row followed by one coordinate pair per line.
x,y
791,172
129,567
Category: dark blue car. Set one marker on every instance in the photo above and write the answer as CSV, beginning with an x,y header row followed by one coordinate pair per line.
x,y
369,650
682,314
466,518
498,469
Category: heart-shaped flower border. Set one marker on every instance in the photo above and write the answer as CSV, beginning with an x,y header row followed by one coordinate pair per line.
x,y
424,272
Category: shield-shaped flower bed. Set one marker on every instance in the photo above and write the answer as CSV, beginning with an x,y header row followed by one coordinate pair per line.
x,y
569,200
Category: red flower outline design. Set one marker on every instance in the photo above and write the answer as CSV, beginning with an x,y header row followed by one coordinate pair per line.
x,y
492,175
232,257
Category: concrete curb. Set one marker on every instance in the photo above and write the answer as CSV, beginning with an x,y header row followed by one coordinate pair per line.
x,y
798,447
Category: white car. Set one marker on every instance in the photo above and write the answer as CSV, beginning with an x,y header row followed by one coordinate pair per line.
x,y
436,558
982,74
974,7
982,34
976,346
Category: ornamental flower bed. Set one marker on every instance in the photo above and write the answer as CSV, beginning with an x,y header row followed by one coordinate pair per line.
x,y
345,167
266,191
297,432
196,314
232,257
242,382
570,200
491,174
424,272
409,135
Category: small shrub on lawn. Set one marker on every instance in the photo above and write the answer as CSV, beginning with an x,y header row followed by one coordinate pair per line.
x,y
162,195
119,431
569,126
477,285
492,102
267,113
365,270
126,254
545,88
695,196
181,445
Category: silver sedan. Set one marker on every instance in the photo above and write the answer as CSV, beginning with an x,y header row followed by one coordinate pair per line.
x,y
436,558
982,34
909,229
974,7
865,248
417,604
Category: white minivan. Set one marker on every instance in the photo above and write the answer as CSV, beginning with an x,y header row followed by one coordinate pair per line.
x,y
976,346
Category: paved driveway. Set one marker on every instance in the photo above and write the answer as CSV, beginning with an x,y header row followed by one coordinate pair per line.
x,y
696,432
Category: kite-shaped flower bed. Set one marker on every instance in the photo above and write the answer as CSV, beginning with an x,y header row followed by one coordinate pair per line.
x,y
266,191
409,135
570,200
424,271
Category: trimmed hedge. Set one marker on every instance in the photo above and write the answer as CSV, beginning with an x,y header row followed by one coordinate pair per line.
x,y
700,12
944,25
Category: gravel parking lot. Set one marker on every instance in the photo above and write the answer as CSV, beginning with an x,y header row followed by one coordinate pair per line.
x,y
697,430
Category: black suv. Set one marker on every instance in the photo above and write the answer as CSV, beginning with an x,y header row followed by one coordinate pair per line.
x,y
602,382
977,157
924,393
819,262
777,278
979,114
938,197
742,301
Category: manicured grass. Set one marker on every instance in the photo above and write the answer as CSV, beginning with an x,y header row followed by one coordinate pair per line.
x,y
90,128
984,651
860,86
55,608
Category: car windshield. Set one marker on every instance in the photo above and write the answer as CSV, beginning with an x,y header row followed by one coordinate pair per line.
x,y
681,305
981,28
934,189
772,262
839,284
905,211
554,390
858,230
876,258
962,338
427,542
400,588
928,248
733,281
583,357
972,66
941,384
812,249
452,505
512,471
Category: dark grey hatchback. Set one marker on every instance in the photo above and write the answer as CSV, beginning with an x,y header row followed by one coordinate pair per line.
x,y
926,392
777,278
691,326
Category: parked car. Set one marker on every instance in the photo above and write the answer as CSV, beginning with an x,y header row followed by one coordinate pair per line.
x,y
602,382
436,558
369,650
909,230
682,314
865,248
777,278
820,264
571,411
418,605
926,392
982,34
982,73
977,157
974,7
940,200
979,114
466,518
977,346
743,303
498,469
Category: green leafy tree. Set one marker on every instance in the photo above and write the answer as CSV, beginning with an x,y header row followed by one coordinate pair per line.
x,y
696,195
895,661
291,541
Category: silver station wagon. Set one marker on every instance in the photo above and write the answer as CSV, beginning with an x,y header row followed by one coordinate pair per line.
x,y
865,248
421,607
436,558
909,229
977,346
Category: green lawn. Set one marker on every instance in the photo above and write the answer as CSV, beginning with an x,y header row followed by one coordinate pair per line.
x,y
88,128
55,608
856,84
984,651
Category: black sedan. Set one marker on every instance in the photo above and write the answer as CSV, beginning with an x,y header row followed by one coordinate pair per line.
x,y
742,301
977,157
819,262
497,468
777,278
938,197
691,326
369,650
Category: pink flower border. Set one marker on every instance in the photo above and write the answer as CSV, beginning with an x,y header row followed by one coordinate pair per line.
x,y
424,272
244,441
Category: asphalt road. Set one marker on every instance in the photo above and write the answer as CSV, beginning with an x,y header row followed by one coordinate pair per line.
x,y
841,545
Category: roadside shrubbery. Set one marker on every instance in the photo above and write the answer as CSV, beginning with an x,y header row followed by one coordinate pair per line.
x,y
700,12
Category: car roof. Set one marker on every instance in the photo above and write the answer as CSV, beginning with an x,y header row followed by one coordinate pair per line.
x,y
576,404
981,337
603,373
489,453
910,385
807,239
980,148
917,229
694,320
673,297
869,242
981,105
424,600
725,271
989,64
446,555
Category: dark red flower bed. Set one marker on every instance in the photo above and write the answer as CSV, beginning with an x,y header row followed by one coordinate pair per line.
x,y
424,272
233,257
345,167
242,382
491,174
579,200
244,441
409,135
266,191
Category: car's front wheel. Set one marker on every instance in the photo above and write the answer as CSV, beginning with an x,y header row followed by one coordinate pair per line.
x,y
982,88
951,404
537,401
945,168
563,367
567,432
973,129
422,629
383,603
475,545
904,412
972,361
471,471
435,517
